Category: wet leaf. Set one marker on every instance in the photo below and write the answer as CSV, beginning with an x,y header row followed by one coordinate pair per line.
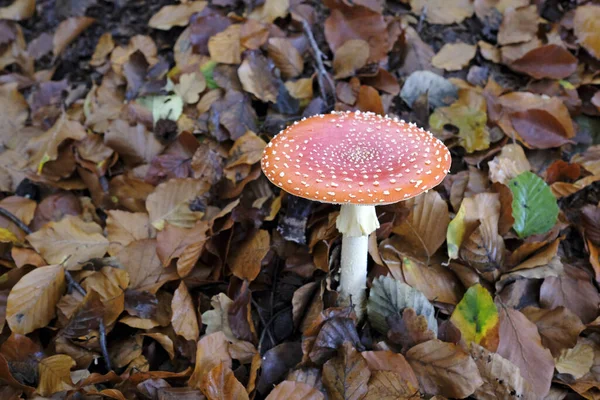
x,y
389,296
185,322
444,368
454,56
476,317
70,241
534,207
175,15
521,344
55,374
346,376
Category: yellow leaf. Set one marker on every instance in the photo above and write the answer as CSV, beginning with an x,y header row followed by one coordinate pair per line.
x,y
7,236
55,374
476,316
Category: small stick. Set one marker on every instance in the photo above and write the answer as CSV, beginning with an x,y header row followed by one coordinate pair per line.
x,y
271,320
318,54
74,284
7,214
262,320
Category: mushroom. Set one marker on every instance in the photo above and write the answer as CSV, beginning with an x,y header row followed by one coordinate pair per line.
x,y
359,160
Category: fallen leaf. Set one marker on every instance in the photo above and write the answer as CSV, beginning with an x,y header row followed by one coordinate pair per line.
x,y
440,92
549,61
509,164
501,378
170,202
534,207
225,47
245,262
332,335
521,344
576,361
70,242
368,100
476,316
271,10
292,390
134,144
443,11
286,57
103,49
15,112
185,322
32,300
346,376
221,384
175,15
489,52
444,368
126,351
587,28
183,244
392,362
484,248
146,272
256,77
55,374
454,56
123,227
409,329
19,10
68,30
212,351
350,57
163,107
110,283
217,319
559,328
518,25
190,86
389,385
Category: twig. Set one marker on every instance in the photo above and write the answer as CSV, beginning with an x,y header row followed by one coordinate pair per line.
x,y
262,320
7,214
422,18
318,55
271,320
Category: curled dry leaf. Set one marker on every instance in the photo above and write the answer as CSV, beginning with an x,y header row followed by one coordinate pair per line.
x,y
454,56
211,352
292,390
67,31
175,15
55,374
217,319
444,369
521,344
286,57
346,375
32,300
507,165
184,320
221,384
70,241
350,57
587,28
443,11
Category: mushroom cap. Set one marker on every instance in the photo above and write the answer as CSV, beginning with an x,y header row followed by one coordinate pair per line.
x,y
356,158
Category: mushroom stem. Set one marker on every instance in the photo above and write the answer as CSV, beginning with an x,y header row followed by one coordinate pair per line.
x,y
355,222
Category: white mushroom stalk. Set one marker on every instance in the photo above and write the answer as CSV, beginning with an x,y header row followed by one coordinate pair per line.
x,y
355,223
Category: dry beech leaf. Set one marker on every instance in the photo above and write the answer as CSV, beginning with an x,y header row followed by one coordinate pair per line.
x,y
559,328
123,227
14,112
55,374
125,351
70,241
286,57
454,56
443,11
393,362
549,61
32,300
221,384
587,28
110,283
165,341
190,86
509,164
170,202
19,10
135,144
521,344
271,10
67,31
489,52
211,352
389,385
409,329
103,49
518,25
256,77
484,248
175,15
346,376
576,361
350,57
444,368
501,378
245,261
292,390
217,319
185,322
225,46
185,244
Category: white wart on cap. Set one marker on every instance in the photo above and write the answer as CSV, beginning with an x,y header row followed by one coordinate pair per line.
x,y
355,158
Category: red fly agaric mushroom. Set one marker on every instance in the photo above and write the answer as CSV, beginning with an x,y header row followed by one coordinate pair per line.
x,y
358,160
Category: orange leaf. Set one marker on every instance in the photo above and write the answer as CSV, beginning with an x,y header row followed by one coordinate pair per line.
x,y
245,261
221,384
185,322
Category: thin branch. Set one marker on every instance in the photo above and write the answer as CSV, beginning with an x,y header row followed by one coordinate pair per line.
x,y
7,214
262,320
103,347
271,320
319,56
74,284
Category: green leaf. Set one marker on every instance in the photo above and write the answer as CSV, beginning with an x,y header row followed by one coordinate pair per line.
x,y
389,296
471,122
476,316
534,207
163,107
207,70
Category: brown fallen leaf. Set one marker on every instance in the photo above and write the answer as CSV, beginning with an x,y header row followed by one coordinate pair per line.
x,y
577,361
123,227
134,144
559,328
32,300
508,164
444,368
301,89
368,99
185,322
292,390
165,341
190,86
454,56
70,242
175,15
409,329
211,352
14,112
549,61
256,77
443,11
521,344
103,49
68,30
55,374
126,350
389,385
185,244
19,10
489,52
271,10
245,262
225,46
346,376
518,25
350,57
587,28
286,57
110,283
392,362
221,384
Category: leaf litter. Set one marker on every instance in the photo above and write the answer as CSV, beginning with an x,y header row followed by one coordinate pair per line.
x,y
145,256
